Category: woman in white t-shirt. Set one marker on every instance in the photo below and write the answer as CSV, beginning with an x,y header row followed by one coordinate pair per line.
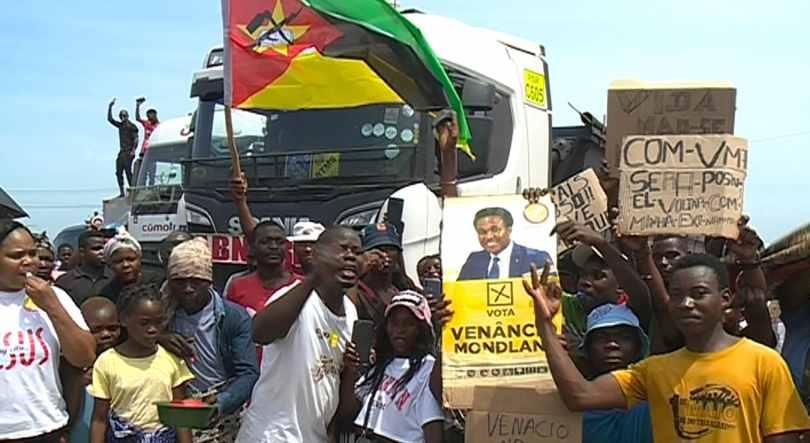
x,y
396,400
36,321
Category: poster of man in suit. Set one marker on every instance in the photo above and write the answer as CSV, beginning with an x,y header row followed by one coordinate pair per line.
x,y
508,236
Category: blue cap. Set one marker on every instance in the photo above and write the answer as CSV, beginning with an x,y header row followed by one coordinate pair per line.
x,y
610,315
381,234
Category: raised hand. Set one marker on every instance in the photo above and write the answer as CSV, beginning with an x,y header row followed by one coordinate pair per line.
x,y
573,232
448,134
547,295
747,244
112,102
533,195
239,187
636,244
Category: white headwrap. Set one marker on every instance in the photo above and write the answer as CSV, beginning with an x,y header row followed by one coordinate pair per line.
x,y
122,240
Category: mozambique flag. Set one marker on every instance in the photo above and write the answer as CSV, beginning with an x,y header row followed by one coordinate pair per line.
x,y
304,54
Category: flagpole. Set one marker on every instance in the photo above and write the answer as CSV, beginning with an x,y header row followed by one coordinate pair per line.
x,y
236,168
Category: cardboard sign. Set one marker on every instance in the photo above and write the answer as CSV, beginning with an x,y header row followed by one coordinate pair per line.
x,y
521,415
582,199
687,184
492,339
639,108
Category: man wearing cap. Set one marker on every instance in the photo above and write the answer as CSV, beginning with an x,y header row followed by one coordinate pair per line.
x,y
613,340
501,257
305,234
214,335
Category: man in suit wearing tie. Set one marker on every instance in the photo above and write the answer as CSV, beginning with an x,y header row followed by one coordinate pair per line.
x,y
501,257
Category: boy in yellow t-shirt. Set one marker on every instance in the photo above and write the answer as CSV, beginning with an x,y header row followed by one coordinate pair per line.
x,y
718,389
129,378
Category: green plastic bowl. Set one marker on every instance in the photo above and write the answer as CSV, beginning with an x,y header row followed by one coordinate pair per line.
x,y
186,417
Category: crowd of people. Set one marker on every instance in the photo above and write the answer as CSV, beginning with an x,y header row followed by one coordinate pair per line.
x,y
660,343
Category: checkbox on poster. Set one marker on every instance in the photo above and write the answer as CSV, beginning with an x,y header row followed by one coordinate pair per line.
x,y
500,294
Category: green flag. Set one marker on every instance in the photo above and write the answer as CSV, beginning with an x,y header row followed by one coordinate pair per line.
x,y
372,30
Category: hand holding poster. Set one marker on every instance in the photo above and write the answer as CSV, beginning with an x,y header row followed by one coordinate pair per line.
x,y
682,184
488,245
582,199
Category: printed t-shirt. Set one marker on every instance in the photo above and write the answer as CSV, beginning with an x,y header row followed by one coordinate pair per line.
x,y
133,385
738,395
298,389
400,414
30,387
797,341
618,425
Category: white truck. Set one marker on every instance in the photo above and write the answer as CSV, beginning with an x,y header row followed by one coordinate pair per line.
x,y
154,200
504,84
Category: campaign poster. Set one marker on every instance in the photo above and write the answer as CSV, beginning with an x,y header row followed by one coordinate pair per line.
x,y
487,247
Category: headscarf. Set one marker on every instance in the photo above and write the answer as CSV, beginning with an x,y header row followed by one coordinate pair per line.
x,y
122,240
191,259
44,243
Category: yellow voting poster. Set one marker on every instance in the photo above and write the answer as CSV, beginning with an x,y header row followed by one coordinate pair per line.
x,y
488,245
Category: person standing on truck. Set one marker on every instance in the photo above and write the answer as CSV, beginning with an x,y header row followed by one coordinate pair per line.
x,y
127,142
149,124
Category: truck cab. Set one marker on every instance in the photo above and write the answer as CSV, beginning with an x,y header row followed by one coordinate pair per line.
x,y
340,166
154,200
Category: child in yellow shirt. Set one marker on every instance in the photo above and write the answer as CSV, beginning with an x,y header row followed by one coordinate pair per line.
x,y
129,378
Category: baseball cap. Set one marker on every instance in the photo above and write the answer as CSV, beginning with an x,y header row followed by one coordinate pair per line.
x,y
610,315
582,253
306,231
414,301
381,234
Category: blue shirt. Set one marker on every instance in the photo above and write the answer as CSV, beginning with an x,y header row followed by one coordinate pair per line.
x,y
80,431
618,425
207,365
797,341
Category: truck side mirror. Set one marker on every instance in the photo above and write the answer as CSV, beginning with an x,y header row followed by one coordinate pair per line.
x,y
477,95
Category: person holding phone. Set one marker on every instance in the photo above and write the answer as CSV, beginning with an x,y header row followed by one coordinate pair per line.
x,y
397,399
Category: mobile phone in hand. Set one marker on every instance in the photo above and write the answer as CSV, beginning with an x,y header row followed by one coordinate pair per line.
x,y
433,288
362,336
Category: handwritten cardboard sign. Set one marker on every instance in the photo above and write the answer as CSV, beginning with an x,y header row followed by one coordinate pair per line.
x,y
640,108
521,415
682,184
582,199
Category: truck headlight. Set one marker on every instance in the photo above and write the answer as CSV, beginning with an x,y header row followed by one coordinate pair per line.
x,y
198,218
362,218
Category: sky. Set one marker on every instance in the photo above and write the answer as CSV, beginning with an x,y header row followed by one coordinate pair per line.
x,y
61,68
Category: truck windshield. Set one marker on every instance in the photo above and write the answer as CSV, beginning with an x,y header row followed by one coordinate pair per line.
x,y
367,144
161,165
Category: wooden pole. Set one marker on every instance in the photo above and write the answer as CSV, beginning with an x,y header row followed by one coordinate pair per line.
x,y
236,168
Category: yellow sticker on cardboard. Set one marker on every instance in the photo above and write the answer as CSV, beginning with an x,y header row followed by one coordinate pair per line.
x,y
535,88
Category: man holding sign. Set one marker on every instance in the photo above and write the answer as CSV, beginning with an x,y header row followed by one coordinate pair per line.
x,y
691,392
